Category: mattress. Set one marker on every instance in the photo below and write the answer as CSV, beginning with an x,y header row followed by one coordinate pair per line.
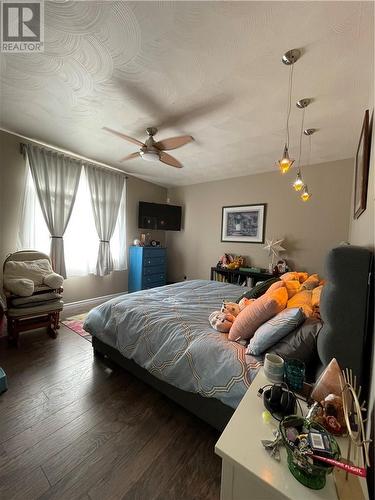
x,y
166,331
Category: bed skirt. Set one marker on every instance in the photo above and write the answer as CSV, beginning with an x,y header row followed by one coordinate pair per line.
x,y
211,410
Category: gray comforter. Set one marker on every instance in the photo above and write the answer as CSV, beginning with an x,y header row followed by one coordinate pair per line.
x,y
166,331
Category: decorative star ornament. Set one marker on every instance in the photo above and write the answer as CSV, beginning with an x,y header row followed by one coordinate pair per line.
x,y
274,247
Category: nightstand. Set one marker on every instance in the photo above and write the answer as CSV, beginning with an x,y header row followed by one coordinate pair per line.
x,y
248,472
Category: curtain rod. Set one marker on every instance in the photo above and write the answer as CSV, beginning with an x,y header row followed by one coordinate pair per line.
x,y
64,151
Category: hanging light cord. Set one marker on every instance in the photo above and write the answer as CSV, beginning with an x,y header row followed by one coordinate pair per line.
x,y
300,139
309,157
289,106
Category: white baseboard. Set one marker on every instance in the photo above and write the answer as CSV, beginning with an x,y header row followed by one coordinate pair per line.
x,y
82,306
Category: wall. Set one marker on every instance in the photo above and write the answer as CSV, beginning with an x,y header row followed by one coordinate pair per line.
x,y
309,229
12,173
362,232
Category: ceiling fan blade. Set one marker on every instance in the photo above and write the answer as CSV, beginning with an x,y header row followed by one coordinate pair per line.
x,y
173,142
123,136
130,157
169,160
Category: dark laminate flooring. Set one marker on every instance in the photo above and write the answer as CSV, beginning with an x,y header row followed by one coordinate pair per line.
x,y
72,427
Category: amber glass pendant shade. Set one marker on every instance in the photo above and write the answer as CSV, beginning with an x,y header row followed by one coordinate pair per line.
x,y
285,163
298,183
305,196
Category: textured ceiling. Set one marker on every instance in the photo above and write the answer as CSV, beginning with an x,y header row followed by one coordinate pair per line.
x,y
209,69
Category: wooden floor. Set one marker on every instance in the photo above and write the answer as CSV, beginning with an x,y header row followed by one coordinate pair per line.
x,y
71,427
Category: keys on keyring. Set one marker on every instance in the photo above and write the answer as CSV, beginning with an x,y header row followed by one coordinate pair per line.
x,y
273,447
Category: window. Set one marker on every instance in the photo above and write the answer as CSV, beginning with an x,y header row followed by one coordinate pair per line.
x,y
81,241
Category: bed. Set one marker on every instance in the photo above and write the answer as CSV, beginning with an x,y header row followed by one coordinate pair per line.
x,y
162,336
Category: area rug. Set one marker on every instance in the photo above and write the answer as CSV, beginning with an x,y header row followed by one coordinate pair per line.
x,y
75,323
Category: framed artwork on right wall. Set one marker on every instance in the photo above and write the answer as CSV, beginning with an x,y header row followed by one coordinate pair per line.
x,y
362,164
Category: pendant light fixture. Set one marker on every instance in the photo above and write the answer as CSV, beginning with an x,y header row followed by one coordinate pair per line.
x,y
298,183
305,195
289,58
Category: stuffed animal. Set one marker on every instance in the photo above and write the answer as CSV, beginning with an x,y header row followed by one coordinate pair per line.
x,y
221,321
225,260
237,263
231,308
244,302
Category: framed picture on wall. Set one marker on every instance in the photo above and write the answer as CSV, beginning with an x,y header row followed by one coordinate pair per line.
x,y
243,223
362,163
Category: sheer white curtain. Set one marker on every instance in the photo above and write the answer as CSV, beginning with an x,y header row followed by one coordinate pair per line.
x,y
80,239
106,190
56,179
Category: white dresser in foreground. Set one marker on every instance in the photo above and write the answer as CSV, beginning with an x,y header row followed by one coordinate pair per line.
x,y
248,472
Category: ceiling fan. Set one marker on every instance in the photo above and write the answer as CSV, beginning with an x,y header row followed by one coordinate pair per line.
x,y
154,151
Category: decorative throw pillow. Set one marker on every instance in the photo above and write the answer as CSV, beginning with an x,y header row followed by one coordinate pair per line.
x,y
302,299
256,313
275,329
301,344
315,297
259,289
292,287
311,282
302,277
276,286
289,276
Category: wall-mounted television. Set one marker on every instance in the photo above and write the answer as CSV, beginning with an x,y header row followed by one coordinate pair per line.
x,y
159,216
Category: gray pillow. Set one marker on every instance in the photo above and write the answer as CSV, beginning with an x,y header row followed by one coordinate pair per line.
x,y
275,329
301,344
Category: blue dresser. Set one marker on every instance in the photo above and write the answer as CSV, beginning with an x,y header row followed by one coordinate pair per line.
x,y
147,268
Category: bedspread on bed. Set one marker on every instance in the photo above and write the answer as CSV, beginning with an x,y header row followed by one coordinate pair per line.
x,y
166,331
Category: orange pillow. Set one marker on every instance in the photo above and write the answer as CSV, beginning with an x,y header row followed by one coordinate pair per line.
x,y
303,300
257,313
289,276
302,277
292,287
275,286
311,282
315,300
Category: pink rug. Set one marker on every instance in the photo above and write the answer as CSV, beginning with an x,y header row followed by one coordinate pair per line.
x,y
75,323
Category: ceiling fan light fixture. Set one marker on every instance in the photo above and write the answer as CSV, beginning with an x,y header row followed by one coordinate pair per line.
x,y
150,155
285,163
298,183
305,196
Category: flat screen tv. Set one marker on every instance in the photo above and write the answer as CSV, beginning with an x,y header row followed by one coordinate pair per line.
x,y
159,216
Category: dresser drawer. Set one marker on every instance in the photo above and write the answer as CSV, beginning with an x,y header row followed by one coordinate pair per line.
x,y
154,261
149,270
152,279
154,252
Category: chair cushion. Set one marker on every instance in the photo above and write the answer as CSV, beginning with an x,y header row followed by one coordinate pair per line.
x,y
49,306
35,299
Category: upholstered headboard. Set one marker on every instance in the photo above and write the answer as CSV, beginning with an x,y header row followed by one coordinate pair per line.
x,y
345,310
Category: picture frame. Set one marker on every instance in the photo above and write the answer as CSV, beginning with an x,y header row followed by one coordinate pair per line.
x,y
243,223
362,164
